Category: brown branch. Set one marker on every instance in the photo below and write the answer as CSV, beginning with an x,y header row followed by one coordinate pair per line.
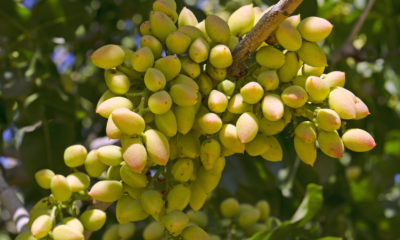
x,y
347,48
13,205
263,29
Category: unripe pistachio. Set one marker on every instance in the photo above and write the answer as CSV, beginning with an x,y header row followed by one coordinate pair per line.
x,y
43,178
93,166
294,96
152,202
64,232
112,130
268,79
106,191
210,151
264,208
241,21
110,155
129,122
153,231
314,29
108,56
113,173
317,88
167,123
161,25
191,31
199,50
288,36
197,196
135,156
252,92
60,188
186,17
202,27
272,107
25,236
270,57
312,54
308,70
208,179
248,217
335,79
189,145
142,59
166,8
178,198
307,152
342,101
362,110
217,29
183,79
126,230
328,119
237,105
210,123
157,146
227,87
182,169
185,117
205,84
247,127
153,43
220,56
116,81
189,67
74,223
331,144
183,95
217,101
108,106
93,219
129,210
75,155
111,233
306,131
170,66
178,42
275,153
132,179
41,226
229,208
300,81
358,140
160,102
154,79
199,218
289,70
270,128
229,138
217,74
259,145
78,181
194,233
175,222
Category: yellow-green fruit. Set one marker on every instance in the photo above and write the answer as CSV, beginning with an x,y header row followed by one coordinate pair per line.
x,y
217,29
229,208
220,56
160,102
127,230
247,127
93,219
190,68
275,153
300,81
208,179
217,74
64,232
41,226
183,95
43,178
78,181
112,130
194,233
182,169
197,196
335,79
128,122
152,202
288,36
358,140
153,43
142,59
270,128
174,222
93,166
202,27
166,123
167,8
135,156
331,144
129,210
60,188
294,96
237,105
314,29
272,107
186,17
289,70
252,92
111,233
185,117
308,70
270,57
342,101
264,208
217,101
116,81
183,79
108,106
248,217
362,110
306,132
199,50
161,25
219,166
312,54
256,228
229,138
188,145
178,42
199,218
259,145
210,151
242,20
317,88
154,79
210,123
178,197
133,192
328,119
25,236
132,179
145,28
153,231
105,96
106,190
75,155
113,173
73,223
110,155
157,146
191,31
227,87
233,42
307,152
269,80
108,56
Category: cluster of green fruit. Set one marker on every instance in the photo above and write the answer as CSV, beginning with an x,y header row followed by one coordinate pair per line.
x,y
178,115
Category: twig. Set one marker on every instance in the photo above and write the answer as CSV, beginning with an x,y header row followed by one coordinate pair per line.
x,y
13,205
347,48
263,29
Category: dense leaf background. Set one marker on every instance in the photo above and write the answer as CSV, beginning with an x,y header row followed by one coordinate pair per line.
x,y
49,88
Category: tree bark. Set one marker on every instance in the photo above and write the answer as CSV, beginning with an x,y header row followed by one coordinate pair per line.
x,y
261,31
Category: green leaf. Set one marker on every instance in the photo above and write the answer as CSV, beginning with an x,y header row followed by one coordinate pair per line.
x,y
310,205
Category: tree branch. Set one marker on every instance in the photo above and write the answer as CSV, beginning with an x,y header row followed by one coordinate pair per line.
x,y
347,48
13,205
263,29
